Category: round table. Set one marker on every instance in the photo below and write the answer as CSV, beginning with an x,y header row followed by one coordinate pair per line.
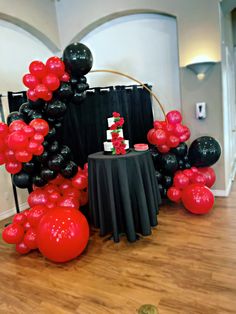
x,y
123,194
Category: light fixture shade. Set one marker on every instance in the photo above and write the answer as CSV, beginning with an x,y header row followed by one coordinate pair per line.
x,y
200,68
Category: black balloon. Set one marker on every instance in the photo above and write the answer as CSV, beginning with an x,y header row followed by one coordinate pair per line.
x,y
70,170
187,165
39,181
38,104
53,147
65,152
55,109
65,91
169,163
78,59
56,162
167,181
181,150
22,180
43,158
14,115
181,164
25,109
204,152
81,87
158,175
48,174
78,97
51,135
58,125
29,167
156,157
35,114
82,79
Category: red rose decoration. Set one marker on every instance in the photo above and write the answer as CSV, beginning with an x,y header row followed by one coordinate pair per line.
x,y
116,114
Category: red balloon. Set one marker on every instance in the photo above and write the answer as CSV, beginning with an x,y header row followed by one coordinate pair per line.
x,y
31,95
23,155
69,202
83,199
13,233
39,150
39,138
54,196
73,192
159,137
80,181
27,226
174,194
65,77
51,205
198,178
41,91
181,181
38,69
51,188
17,140
13,167
19,219
194,169
35,214
10,155
174,117
65,185
30,239
30,80
198,199
209,175
158,124
29,131
32,147
172,141
38,197
179,129
149,136
48,96
63,234
56,66
17,125
3,159
3,129
22,248
170,129
163,148
189,173
58,180
51,81
41,126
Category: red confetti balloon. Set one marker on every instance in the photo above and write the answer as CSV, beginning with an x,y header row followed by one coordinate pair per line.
x,y
38,197
13,233
63,234
198,199
69,202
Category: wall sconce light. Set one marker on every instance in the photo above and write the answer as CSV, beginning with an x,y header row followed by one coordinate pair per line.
x,y
200,68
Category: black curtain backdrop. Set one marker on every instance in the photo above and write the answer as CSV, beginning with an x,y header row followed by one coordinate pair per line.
x,y
85,124
16,99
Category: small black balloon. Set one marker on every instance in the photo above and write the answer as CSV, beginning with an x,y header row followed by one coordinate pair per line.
x,y
169,163
82,79
39,181
55,109
205,151
29,167
25,109
43,158
81,87
167,181
13,116
38,104
181,150
158,176
187,165
70,170
22,180
53,147
65,91
51,135
35,114
181,164
56,162
156,157
45,144
48,174
58,125
65,151
78,98
78,59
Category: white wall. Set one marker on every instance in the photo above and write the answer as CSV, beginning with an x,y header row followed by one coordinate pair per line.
x,y
18,49
143,46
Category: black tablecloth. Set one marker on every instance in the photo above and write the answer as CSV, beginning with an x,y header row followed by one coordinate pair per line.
x,y
123,194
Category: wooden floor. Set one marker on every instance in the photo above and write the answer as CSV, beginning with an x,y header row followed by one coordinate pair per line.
x,y
187,266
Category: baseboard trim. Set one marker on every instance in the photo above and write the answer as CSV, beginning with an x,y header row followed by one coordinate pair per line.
x,y
223,193
10,212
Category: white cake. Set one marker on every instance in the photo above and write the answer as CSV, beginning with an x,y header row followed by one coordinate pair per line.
x,y
116,129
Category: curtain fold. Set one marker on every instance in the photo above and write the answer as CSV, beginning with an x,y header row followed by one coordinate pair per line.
x,y
85,125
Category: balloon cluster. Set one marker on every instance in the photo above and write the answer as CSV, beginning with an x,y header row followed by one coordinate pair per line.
x,y
43,79
191,186
30,145
19,142
169,133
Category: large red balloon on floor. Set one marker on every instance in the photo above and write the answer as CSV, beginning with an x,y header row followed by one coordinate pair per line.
x,y
63,234
198,199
